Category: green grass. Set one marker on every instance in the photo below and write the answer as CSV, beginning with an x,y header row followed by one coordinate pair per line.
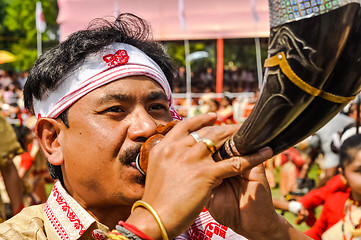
x,y
288,215
313,174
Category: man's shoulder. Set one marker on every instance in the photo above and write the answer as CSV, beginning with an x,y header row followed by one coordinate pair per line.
x,y
29,220
28,213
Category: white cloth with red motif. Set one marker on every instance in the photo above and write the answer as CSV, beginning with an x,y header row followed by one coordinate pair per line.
x,y
206,228
61,217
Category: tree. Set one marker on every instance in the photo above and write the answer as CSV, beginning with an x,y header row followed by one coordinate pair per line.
x,y
240,52
18,31
175,50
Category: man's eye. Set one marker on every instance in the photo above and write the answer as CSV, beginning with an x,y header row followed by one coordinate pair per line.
x,y
158,107
114,109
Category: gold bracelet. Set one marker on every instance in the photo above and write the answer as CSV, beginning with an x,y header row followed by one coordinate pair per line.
x,y
155,215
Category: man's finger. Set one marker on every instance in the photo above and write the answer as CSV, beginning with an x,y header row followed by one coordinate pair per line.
x,y
192,124
237,165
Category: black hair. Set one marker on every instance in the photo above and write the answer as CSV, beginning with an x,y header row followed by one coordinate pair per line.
x,y
50,69
228,100
350,147
215,102
21,133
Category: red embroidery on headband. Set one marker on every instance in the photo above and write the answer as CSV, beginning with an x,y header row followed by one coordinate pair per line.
x,y
39,115
120,57
175,115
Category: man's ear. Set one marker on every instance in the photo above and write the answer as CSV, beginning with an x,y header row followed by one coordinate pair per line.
x,y
48,131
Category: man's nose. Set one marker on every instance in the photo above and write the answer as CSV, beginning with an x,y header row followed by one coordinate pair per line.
x,y
142,126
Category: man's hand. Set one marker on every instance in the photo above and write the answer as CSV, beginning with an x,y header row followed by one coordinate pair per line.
x,y
244,202
182,177
302,215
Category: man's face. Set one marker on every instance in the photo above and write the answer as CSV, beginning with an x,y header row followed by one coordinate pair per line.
x,y
106,130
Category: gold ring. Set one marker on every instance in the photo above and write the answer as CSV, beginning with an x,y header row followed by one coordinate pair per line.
x,y
210,144
196,136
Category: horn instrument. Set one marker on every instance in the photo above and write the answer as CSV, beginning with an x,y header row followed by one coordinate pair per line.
x,y
312,72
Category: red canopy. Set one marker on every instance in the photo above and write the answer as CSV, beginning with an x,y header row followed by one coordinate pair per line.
x,y
204,19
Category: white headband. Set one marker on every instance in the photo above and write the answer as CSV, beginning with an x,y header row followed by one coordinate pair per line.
x,y
118,60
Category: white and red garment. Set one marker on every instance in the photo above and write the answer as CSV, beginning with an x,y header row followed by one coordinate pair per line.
x,y
206,228
70,220
67,217
111,63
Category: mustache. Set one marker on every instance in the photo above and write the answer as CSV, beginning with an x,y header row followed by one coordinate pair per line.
x,y
129,154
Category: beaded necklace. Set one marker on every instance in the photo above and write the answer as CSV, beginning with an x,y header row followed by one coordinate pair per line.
x,y
356,230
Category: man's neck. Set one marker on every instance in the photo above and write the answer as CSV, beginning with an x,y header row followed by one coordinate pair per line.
x,y
110,215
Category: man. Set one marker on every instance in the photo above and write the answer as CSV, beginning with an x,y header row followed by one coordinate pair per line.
x,y
9,147
98,96
322,140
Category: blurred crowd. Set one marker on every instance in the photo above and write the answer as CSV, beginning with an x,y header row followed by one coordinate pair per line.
x,y
329,202
289,171
29,161
240,92
234,80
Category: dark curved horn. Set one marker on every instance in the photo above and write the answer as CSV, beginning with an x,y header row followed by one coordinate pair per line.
x,y
312,72
345,80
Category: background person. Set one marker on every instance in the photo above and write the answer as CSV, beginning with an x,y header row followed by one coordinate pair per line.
x,y
322,140
340,199
348,227
9,147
